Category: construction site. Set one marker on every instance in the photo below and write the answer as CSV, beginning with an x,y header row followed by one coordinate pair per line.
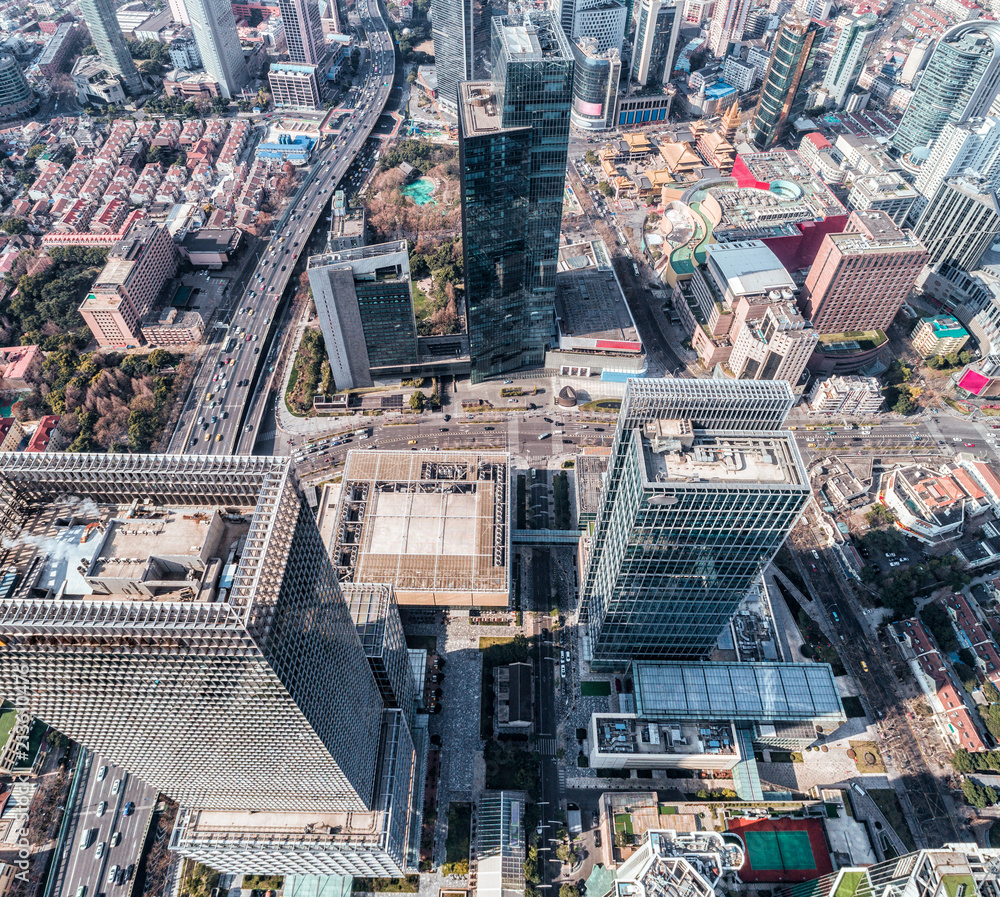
x,y
435,525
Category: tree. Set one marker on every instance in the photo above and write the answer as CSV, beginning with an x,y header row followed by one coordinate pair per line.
x,y
417,401
978,796
605,188
880,515
14,225
991,692
904,404
569,889
591,157
34,152
965,357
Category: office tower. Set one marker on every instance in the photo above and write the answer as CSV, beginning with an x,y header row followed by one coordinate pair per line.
x,y
849,58
728,21
214,28
513,135
970,145
861,277
110,42
655,41
601,20
783,95
595,85
451,30
16,96
138,266
376,617
180,616
303,31
700,492
179,13
961,81
365,307
960,222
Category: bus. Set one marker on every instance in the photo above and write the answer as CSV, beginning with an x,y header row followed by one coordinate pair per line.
x,y
230,344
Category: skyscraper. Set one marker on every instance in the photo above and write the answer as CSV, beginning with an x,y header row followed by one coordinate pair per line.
x,y
728,21
782,97
214,28
849,58
303,31
862,276
961,81
365,307
701,490
451,29
181,617
595,85
16,96
602,20
655,41
110,42
960,222
513,135
970,145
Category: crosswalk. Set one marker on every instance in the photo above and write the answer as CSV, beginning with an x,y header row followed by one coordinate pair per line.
x,y
547,745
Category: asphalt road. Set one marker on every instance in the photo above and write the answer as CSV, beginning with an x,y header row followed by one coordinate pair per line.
x,y
82,867
922,793
224,409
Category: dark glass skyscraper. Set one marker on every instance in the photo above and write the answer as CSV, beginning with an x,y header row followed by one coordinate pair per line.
x,y
513,138
702,488
782,97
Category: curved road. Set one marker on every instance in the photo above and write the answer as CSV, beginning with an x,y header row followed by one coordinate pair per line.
x,y
227,413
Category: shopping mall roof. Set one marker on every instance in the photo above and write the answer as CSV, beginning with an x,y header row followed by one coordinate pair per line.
x,y
736,691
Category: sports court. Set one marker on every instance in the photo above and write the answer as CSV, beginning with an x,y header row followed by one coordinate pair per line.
x,y
787,850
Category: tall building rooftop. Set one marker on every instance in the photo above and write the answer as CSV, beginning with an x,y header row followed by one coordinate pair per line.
x,y
432,524
748,267
477,104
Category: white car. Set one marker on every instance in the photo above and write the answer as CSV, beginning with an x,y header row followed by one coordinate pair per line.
x,y
101,773
116,786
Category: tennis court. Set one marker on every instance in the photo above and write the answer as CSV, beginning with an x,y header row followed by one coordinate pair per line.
x,y
783,849
779,850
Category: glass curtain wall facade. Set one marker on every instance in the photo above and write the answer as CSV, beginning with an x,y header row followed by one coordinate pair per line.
x,y
960,82
671,560
107,36
782,98
452,31
513,165
256,698
595,86
214,27
655,40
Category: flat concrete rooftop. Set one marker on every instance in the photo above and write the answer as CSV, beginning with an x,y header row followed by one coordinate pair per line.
x,y
724,458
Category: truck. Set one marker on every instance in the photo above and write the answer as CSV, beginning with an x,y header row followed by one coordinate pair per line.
x,y
362,433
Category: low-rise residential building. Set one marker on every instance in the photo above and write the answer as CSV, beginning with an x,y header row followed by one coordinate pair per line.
x,y
953,717
46,436
973,635
932,505
17,364
940,335
11,434
94,82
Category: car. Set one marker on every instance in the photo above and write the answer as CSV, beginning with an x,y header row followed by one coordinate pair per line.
x,y
116,839
970,445
208,437
113,874
130,872
102,808
218,438
256,351
225,414
101,773
81,891
835,615
489,429
100,849
864,666
129,808
116,786
893,563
